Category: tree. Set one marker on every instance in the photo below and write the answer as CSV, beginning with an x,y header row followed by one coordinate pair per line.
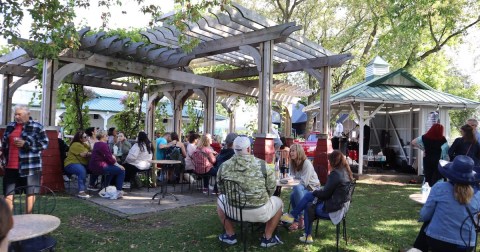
x,y
129,121
76,115
195,117
405,33
161,115
52,21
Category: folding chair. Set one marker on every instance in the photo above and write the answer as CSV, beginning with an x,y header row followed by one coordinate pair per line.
x,y
233,201
351,189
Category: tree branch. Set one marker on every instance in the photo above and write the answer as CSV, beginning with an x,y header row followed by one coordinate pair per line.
x,y
438,47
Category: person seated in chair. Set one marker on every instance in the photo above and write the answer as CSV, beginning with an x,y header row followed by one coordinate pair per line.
x,y
259,184
450,209
76,161
330,198
137,159
102,162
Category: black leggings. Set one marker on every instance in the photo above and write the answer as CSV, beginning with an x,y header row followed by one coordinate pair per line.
x,y
441,246
130,171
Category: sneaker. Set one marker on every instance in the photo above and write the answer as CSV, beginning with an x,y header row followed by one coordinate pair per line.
x,y
308,239
66,178
92,188
120,194
205,190
232,239
126,185
267,243
287,218
83,195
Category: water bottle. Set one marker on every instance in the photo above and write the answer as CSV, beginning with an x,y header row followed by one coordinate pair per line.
x,y
425,191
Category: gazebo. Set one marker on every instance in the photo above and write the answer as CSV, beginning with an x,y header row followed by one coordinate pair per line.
x,y
394,104
247,43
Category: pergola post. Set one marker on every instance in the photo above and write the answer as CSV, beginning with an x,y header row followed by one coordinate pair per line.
x,y
5,99
209,119
361,123
263,146
287,124
229,105
324,144
47,113
152,103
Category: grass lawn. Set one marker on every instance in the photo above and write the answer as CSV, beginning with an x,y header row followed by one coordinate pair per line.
x,y
381,218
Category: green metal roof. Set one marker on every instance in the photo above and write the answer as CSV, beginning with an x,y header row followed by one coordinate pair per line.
x,y
398,87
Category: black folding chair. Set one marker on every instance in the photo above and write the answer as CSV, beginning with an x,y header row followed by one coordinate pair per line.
x,y
351,189
233,199
45,203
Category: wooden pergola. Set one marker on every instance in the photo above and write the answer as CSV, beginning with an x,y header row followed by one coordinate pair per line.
x,y
245,42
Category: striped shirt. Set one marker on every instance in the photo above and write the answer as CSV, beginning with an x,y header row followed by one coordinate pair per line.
x,y
36,140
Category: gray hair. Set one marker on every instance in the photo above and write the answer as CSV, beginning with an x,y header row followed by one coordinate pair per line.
x,y
21,107
473,121
100,134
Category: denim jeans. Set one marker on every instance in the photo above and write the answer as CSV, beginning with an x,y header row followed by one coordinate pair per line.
x,y
302,206
297,194
212,172
119,174
81,172
319,213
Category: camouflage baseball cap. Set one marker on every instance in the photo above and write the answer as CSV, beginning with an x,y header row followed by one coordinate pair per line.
x,y
241,143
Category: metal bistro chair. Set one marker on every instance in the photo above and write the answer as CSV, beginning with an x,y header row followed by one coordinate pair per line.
x,y
351,189
45,203
471,222
233,201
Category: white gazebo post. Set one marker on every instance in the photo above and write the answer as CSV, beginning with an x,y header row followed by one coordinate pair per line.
x,y
361,122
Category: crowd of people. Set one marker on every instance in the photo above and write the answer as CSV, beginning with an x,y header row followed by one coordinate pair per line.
x,y
448,222
455,185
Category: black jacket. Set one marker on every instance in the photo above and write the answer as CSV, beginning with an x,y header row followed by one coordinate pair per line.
x,y
335,191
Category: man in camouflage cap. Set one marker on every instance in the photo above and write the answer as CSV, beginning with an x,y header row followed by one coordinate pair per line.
x,y
258,181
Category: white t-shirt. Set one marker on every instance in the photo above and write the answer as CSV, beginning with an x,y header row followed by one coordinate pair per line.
x,y
188,161
139,158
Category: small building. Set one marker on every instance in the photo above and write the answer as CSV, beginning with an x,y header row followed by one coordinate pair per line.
x,y
397,107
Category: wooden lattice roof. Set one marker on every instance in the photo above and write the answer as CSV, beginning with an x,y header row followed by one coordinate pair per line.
x,y
225,38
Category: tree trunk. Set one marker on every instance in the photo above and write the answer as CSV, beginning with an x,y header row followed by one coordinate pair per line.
x,y
78,91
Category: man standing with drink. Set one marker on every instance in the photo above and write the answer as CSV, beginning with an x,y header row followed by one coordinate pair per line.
x,y
22,145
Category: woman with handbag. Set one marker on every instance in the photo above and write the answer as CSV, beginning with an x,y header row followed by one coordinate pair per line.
x,y
435,147
102,162
330,198
301,169
77,160
466,145
448,211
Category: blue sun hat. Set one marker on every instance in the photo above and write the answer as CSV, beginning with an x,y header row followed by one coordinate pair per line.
x,y
462,170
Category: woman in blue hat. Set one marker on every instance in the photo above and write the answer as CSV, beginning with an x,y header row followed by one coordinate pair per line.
x,y
447,223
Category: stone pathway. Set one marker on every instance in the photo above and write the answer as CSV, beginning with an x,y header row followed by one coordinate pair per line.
x,y
138,203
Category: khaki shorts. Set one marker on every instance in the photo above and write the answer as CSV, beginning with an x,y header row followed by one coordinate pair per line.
x,y
260,214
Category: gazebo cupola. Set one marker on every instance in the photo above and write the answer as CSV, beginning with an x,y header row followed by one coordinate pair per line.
x,y
376,67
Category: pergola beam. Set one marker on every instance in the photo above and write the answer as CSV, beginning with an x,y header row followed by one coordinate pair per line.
x,y
154,72
287,67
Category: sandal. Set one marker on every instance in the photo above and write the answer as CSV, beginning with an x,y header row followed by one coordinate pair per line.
x,y
301,223
293,227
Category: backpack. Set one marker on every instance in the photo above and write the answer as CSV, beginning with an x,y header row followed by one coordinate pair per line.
x,y
173,153
201,162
